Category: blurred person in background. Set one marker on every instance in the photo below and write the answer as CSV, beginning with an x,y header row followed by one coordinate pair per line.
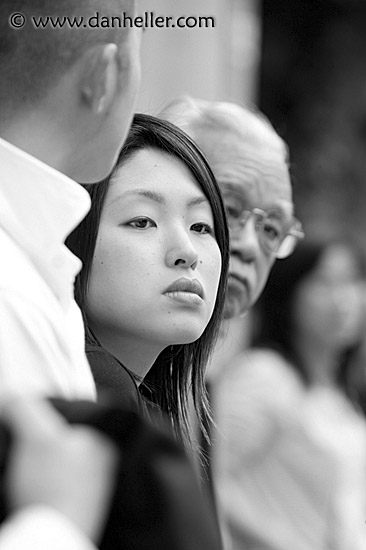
x,y
357,364
290,462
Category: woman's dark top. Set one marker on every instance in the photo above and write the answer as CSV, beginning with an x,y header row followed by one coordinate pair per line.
x,y
112,377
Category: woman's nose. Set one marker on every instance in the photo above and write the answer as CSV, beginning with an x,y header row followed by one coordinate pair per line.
x,y
181,251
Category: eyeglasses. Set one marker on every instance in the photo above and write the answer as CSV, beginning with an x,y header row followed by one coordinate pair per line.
x,y
277,236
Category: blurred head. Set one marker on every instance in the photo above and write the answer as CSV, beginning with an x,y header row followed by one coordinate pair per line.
x,y
250,163
155,254
314,296
82,80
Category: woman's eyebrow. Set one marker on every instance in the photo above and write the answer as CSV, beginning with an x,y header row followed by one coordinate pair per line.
x,y
196,201
146,193
157,197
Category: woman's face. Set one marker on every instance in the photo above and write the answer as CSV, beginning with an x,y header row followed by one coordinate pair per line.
x,y
157,264
328,301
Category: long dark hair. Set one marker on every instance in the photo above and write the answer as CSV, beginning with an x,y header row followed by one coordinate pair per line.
x,y
178,368
273,314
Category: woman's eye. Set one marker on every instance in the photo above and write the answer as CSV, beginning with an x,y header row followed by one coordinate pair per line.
x,y
142,223
202,228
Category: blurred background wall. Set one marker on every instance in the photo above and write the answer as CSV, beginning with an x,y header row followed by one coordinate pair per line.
x,y
313,87
211,63
303,63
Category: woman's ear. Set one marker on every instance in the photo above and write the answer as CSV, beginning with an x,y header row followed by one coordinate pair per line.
x,y
100,78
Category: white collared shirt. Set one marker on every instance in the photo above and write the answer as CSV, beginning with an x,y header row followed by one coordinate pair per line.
x,y
41,329
41,528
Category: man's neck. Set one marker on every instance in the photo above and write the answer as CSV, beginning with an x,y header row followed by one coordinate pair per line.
x,y
32,134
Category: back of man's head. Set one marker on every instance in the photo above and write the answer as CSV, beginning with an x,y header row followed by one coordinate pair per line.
x,y
36,48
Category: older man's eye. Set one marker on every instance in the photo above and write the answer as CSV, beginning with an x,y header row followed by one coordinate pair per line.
x,y
232,212
272,231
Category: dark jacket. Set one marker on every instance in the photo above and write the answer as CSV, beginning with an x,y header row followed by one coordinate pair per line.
x,y
112,377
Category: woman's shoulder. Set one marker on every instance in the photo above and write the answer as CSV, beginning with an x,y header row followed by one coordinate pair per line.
x,y
113,377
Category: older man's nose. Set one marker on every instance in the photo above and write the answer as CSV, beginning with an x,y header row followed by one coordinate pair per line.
x,y
245,242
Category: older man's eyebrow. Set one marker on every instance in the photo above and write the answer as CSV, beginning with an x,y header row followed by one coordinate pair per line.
x,y
284,207
229,186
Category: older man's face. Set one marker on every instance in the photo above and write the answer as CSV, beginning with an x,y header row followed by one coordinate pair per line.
x,y
249,178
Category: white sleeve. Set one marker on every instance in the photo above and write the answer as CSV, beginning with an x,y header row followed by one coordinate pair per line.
x,y
41,528
34,354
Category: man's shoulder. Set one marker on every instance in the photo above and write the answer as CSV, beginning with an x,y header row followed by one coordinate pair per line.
x,y
13,255
18,274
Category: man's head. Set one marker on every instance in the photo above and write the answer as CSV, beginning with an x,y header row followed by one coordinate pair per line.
x,y
67,88
250,162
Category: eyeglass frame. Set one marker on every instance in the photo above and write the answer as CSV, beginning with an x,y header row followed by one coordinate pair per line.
x,y
294,231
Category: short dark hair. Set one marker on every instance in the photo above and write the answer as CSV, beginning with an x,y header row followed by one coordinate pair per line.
x,y
33,59
179,366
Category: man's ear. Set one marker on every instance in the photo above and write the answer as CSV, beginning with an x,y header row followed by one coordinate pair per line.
x,y
100,79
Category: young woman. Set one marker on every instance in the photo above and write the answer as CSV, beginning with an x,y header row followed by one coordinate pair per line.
x,y
293,447
155,253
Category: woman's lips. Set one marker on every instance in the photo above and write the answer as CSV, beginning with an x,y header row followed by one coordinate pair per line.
x,y
186,291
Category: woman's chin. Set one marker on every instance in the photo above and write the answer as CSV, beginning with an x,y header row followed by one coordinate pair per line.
x,y
186,335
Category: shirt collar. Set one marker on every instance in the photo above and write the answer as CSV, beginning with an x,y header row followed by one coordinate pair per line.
x,y
41,196
39,207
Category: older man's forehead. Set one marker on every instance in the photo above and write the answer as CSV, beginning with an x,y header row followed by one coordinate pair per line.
x,y
246,197
239,134
259,181
250,165
255,161
239,146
